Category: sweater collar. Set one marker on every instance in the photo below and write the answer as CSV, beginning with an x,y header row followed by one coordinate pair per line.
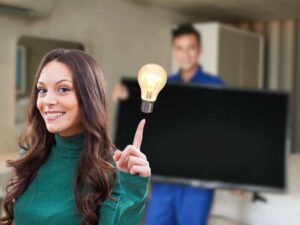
x,y
70,146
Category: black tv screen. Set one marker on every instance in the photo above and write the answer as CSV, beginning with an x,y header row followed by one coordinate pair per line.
x,y
211,136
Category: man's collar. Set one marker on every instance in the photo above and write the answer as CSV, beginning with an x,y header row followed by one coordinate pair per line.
x,y
197,73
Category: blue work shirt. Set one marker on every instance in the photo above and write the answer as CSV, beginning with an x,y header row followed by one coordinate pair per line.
x,y
199,77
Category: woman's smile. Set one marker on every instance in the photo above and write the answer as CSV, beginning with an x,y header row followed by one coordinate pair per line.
x,y
53,115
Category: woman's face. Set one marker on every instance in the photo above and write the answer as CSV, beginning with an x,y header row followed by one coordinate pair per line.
x,y
57,101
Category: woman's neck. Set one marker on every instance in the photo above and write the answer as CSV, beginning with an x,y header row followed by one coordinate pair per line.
x,y
68,133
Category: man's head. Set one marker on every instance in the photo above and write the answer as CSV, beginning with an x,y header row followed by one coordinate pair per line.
x,y
186,46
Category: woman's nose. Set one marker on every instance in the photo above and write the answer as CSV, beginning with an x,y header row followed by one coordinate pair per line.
x,y
50,98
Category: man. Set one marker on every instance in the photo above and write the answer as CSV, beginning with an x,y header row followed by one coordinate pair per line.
x,y
173,204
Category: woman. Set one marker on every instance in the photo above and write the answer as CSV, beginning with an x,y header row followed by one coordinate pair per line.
x,y
70,173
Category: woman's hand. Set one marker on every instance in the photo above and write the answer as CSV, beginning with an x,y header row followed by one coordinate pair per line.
x,y
131,159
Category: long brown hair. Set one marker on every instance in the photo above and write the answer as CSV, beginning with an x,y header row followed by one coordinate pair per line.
x,y
95,174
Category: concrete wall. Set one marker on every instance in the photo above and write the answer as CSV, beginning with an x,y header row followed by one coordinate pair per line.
x,y
121,35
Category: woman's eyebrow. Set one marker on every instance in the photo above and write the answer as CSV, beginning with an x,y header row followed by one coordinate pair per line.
x,y
57,81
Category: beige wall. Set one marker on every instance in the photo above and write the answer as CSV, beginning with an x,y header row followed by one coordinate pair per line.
x,y
282,64
121,34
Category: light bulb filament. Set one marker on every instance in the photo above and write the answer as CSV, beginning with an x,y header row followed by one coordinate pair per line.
x,y
149,94
151,82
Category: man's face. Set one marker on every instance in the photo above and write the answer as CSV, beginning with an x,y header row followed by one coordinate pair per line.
x,y
186,50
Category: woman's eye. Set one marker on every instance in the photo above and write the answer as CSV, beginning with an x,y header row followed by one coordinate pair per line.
x,y
63,90
41,90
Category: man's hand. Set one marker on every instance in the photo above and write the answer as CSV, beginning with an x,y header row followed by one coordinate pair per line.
x,y
131,159
120,92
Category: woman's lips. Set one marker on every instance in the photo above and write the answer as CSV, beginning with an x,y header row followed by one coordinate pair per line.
x,y
51,116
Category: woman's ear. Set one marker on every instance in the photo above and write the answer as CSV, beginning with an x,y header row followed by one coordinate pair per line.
x,y
22,152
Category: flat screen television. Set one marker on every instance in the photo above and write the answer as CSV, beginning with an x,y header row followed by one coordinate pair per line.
x,y
211,137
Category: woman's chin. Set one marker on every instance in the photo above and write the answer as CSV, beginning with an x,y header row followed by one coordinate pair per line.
x,y
54,129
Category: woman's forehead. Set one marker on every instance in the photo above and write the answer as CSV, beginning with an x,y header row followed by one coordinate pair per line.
x,y
54,72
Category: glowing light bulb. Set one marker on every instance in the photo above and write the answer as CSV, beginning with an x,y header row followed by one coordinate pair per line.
x,y
152,78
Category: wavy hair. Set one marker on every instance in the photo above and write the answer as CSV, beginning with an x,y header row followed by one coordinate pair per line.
x,y
95,175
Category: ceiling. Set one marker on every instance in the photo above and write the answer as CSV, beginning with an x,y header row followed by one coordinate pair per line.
x,y
234,9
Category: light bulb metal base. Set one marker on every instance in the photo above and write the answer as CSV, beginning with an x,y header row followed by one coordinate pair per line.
x,y
147,107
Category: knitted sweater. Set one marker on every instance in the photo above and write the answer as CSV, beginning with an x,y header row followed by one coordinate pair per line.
x,y
49,199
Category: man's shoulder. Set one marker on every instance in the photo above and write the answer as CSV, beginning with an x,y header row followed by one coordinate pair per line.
x,y
173,77
209,78
203,78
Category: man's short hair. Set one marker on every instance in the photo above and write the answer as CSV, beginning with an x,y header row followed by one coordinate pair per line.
x,y
186,29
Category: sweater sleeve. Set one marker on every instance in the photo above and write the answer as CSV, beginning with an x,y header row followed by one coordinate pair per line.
x,y
131,193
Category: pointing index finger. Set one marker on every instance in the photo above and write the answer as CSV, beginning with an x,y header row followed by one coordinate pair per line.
x,y
138,137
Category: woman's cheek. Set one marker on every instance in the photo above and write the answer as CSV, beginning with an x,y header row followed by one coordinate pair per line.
x,y
39,104
71,106
69,103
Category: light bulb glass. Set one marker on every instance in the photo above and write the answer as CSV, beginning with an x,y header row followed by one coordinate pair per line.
x,y
152,78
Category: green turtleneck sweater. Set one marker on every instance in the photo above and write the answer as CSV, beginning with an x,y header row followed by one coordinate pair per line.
x,y
49,199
